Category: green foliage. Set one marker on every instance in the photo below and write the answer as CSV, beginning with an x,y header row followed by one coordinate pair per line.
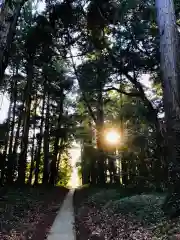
x,y
137,216
103,197
65,170
140,204
116,43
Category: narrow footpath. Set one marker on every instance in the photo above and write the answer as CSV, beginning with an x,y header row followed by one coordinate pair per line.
x,y
63,226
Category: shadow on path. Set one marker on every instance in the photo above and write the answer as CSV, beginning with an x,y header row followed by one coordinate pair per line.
x,y
63,226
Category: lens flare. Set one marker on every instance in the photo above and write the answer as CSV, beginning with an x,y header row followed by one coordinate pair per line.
x,y
112,137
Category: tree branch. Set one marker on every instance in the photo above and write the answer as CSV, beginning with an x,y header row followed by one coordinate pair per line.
x,y
125,71
142,94
83,94
135,94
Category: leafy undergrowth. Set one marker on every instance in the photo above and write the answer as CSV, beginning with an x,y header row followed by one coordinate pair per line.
x,y
28,213
104,214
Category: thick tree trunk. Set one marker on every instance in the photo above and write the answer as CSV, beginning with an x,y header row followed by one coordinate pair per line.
x,y
8,22
169,48
26,124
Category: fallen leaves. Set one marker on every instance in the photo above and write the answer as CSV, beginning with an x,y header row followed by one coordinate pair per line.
x,y
108,216
23,210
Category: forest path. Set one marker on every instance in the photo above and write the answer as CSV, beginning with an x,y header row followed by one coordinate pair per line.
x,y
63,226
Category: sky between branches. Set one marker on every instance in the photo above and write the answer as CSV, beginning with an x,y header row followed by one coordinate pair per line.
x,y
4,98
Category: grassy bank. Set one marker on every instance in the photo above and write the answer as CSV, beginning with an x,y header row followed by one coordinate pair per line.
x,y
116,214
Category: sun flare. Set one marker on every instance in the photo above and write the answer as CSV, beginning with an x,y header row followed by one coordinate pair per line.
x,y
112,137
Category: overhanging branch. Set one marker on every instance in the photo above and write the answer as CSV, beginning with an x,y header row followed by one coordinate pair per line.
x,y
123,70
132,94
83,94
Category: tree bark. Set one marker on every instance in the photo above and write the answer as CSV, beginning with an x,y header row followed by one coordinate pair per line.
x,y
39,144
26,124
8,23
53,169
11,157
46,143
13,116
33,143
16,140
169,48
99,128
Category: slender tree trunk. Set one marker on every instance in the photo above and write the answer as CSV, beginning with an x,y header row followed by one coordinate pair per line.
x,y
5,152
39,144
26,124
99,127
33,143
16,140
46,143
32,161
132,170
124,165
11,159
169,48
59,155
53,168
143,171
86,163
13,117
59,160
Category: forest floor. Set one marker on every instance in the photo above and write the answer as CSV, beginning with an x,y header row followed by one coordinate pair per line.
x,y
114,214
28,213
